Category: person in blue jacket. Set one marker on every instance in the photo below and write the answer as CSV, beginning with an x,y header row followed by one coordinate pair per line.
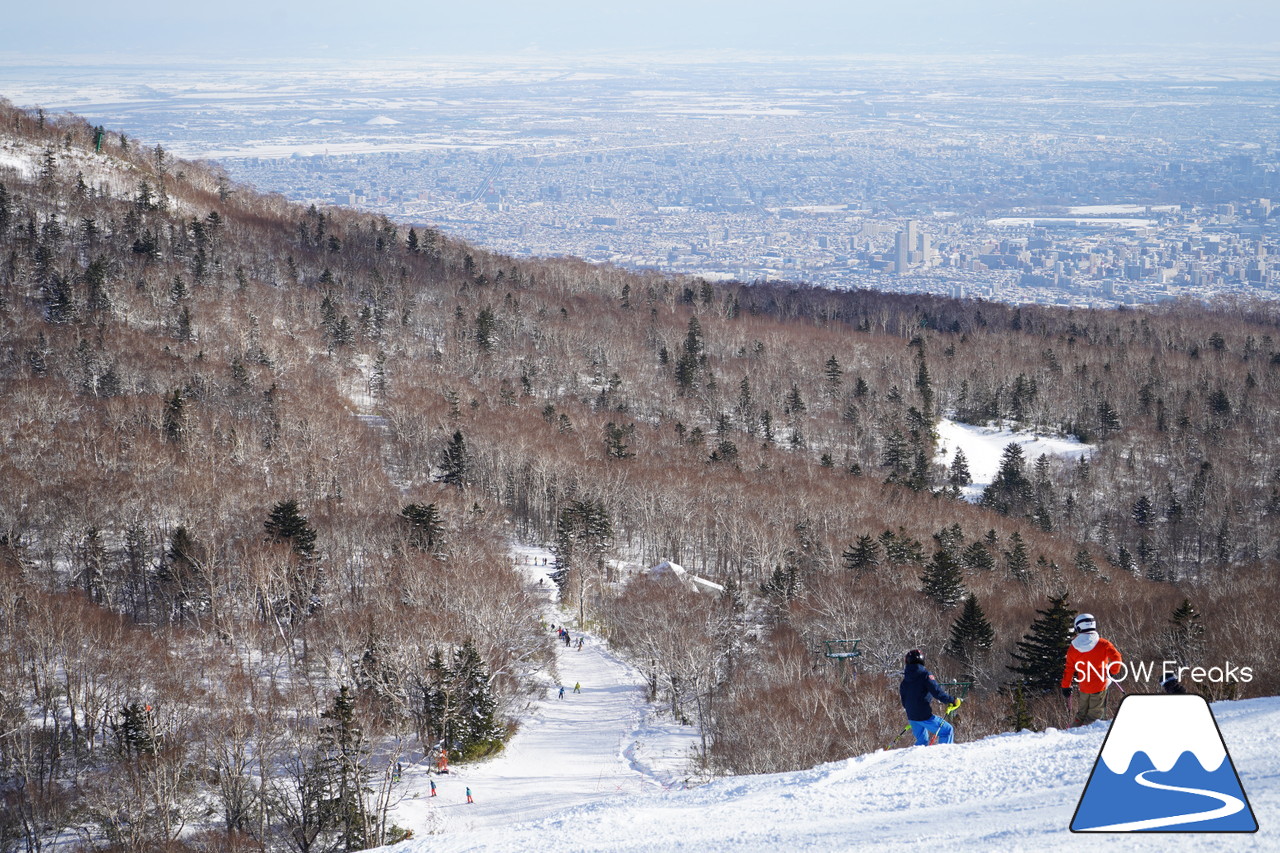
x,y
918,685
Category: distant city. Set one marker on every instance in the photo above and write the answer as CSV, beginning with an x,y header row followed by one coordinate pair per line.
x,y
1075,183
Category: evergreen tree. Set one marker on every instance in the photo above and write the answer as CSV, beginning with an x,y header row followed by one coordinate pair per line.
x,y
725,451
782,586
976,557
175,417
342,760
833,373
1143,513
286,523
1019,716
584,534
1084,562
478,732
615,440
1010,493
180,577
862,556
455,462
924,384
426,529
895,455
1184,638
972,635
486,326
693,344
435,713
942,580
1108,418
958,475
135,731
1041,655
794,403
951,540
686,371
1017,562
1124,560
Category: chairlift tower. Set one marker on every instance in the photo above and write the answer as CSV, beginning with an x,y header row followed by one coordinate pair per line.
x,y
842,653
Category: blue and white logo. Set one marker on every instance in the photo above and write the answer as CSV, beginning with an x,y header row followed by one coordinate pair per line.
x,y
1164,768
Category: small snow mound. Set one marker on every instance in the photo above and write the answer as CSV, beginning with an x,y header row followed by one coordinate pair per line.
x,y
382,120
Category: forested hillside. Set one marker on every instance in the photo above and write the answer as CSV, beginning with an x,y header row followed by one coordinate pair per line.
x,y
262,466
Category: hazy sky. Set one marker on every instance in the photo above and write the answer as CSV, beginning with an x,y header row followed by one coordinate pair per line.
x,y
262,28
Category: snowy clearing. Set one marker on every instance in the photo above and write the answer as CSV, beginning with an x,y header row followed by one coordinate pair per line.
x,y
983,447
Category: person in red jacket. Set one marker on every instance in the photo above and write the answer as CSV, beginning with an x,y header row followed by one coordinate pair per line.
x,y
1092,662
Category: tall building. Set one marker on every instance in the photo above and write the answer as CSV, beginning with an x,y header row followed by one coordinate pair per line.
x,y
911,247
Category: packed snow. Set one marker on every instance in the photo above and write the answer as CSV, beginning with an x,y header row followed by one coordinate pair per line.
x,y
599,742
984,446
599,770
1010,792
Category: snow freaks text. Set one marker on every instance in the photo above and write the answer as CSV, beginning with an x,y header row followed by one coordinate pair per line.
x,y
1162,671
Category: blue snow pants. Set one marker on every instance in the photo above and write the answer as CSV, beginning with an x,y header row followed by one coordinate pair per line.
x,y
924,730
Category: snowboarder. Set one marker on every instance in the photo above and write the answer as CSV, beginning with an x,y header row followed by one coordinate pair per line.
x,y
918,684
1092,661
433,787
469,800
577,687
561,691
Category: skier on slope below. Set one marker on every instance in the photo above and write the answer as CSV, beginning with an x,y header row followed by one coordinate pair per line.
x,y
1092,661
918,684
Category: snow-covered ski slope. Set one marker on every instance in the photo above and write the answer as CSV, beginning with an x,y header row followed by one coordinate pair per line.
x,y
1006,793
594,745
596,772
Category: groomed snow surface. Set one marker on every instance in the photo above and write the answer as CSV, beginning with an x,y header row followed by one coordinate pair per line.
x,y
594,772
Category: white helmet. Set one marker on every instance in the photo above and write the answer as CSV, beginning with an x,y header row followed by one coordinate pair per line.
x,y
1085,622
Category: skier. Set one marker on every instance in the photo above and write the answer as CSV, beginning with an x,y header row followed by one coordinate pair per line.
x,y
918,685
579,644
577,687
561,691
433,787
1092,661
469,800
1173,685
567,639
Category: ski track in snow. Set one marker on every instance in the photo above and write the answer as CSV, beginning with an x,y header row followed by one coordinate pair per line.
x,y
569,752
